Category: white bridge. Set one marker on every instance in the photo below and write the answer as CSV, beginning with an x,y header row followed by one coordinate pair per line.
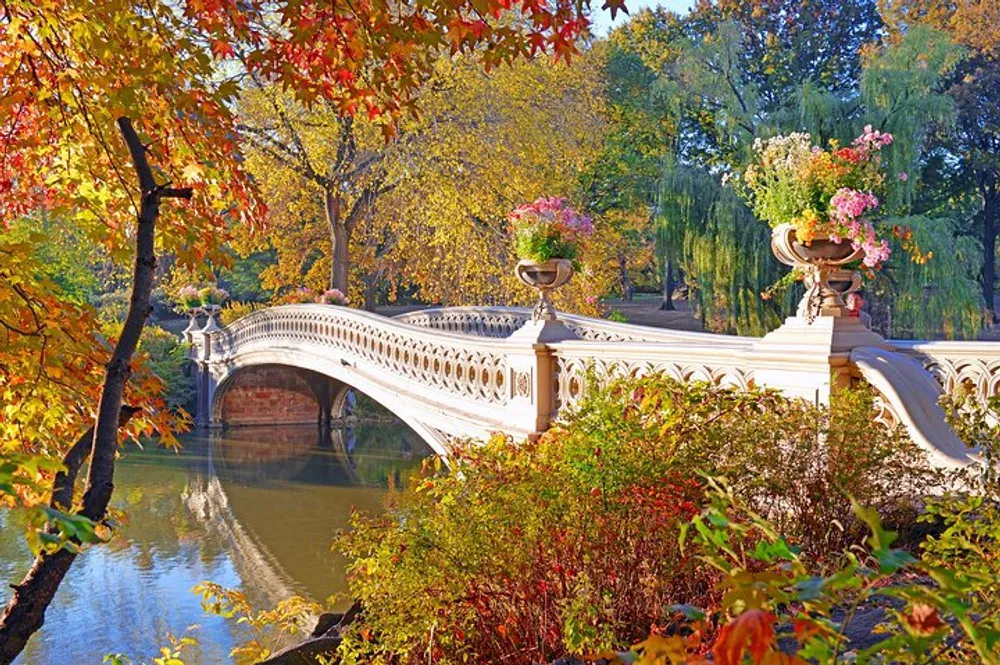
x,y
468,372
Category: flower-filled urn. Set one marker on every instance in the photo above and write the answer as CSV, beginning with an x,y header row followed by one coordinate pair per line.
x,y
824,208
212,298
548,234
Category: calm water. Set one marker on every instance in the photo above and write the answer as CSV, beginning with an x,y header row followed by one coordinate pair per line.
x,y
254,509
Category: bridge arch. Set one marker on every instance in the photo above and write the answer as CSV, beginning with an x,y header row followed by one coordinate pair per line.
x,y
275,394
340,377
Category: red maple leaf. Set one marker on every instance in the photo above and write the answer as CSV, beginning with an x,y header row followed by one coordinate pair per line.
x,y
222,49
615,6
751,631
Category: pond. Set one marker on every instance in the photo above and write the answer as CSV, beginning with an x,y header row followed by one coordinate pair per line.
x,y
254,509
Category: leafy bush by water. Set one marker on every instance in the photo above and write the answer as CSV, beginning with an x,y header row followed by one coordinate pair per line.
x,y
523,552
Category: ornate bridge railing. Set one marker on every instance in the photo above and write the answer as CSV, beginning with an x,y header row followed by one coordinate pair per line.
x,y
441,383
460,366
972,366
470,371
505,321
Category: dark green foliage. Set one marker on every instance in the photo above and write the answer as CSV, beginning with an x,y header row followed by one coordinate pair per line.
x,y
242,280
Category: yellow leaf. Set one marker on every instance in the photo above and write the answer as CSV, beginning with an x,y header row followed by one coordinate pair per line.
x,y
193,172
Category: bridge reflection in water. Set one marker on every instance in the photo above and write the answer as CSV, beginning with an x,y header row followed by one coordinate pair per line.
x,y
254,508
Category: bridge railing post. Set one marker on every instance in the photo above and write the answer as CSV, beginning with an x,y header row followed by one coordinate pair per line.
x,y
810,359
531,366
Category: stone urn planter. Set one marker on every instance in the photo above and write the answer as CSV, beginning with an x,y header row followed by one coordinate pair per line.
x,y
827,282
211,311
192,326
544,277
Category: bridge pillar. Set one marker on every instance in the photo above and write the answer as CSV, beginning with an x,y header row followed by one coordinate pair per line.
x,y
205,379
811,360
531,400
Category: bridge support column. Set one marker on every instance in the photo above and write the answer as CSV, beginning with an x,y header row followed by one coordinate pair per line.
x,y
531,376
205,380
811,360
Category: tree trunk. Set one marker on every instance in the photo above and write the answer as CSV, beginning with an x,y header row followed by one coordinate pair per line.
x,y
371,291
668,284
991,208
625,282
339,238
25,613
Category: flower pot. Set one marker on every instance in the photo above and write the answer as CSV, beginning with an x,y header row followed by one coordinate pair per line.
x,y
823,250
210,324
821,261
192,323
544,277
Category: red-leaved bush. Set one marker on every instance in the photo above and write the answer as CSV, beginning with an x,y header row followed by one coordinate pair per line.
x,y
521,552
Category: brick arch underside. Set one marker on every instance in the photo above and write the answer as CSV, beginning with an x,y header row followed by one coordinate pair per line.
x,y
273,394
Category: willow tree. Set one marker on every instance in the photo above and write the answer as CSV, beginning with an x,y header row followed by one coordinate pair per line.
x,y
972,144
727,101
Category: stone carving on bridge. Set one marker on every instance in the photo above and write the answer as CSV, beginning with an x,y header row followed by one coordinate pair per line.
x,y
522,384
571,372
972,367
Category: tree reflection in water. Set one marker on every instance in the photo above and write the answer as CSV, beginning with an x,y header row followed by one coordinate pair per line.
x,y
254,508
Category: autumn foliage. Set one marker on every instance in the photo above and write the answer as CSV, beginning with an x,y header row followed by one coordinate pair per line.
x,y
524,552
372,56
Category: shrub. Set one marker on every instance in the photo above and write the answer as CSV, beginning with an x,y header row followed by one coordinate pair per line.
x,y
789,460
523,552
235,310
167,357
507,557
776,611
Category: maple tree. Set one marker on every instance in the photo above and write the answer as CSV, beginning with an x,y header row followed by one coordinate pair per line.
x,y
78,77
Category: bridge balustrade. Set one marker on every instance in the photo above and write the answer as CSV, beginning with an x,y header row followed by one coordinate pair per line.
x,y
469,371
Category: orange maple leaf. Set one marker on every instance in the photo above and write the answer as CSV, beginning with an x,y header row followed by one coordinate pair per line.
x,y
222,49
751,631
923,619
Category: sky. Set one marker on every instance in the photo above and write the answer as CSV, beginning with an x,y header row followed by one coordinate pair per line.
x,y
602,17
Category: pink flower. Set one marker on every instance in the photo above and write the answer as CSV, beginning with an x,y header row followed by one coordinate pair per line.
x,y
872,139
553,214
590,300
333,297
903,176
848,204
